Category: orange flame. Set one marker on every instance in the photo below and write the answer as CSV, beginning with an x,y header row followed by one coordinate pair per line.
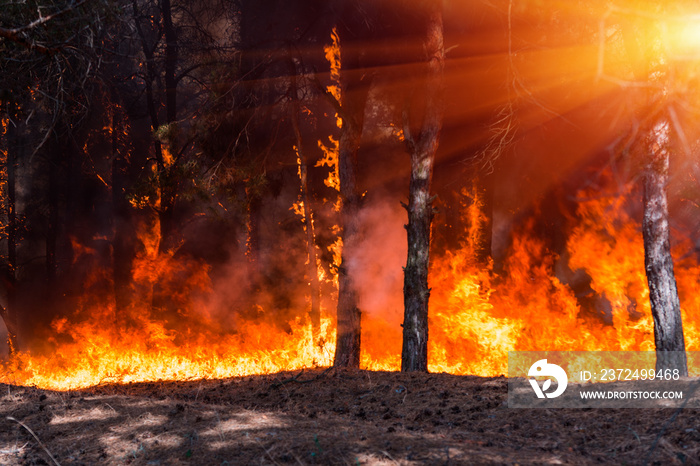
x,y
476,317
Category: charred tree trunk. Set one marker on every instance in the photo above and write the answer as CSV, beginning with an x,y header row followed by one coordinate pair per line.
x,y
10,314
422,149
12,329
54,157
486,190
148,53
9,317
312,272
355,84
11,206
663,294
154,102
168,192
483,182
414,353
255,207
166,217
347,352
171,59
123,250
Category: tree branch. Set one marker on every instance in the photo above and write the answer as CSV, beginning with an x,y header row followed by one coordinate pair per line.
x,y
16,35
186,71
329,96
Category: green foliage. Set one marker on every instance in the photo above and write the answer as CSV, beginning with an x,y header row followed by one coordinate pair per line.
x,y
234,137
169,135
180,182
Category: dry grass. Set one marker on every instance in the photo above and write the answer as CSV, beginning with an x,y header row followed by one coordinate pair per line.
x,y
348,417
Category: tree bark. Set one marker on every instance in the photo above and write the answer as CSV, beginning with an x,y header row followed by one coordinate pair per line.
x,y
54,158
10,314
484,190
9,317
347,352
171,59
422,149
312,271
153,102
11,205
171,56
663,294
414,353
355,84
150,77
123,246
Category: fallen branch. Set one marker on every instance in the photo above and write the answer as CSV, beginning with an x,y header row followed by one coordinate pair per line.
x,y
10,418
286,381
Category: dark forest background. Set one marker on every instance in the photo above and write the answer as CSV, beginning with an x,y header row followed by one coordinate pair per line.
x,y
167,128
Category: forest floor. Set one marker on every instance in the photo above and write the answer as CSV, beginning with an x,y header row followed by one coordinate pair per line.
x,y
329,417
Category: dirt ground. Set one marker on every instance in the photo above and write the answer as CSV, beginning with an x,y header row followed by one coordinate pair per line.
x,y
329,417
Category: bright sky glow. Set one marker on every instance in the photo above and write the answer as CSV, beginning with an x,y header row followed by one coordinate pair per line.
x,y
685,38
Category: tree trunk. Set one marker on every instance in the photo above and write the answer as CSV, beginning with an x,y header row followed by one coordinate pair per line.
x,y
153,102
150,77
312,271
54,158
355,84
484,190
171,58
167,192
414,354
123,246
347,352
422,149
9,314
9,317
11,204
663,295
12,328
255,210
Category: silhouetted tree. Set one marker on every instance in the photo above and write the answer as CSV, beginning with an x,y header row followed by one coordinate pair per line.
x,y
422,145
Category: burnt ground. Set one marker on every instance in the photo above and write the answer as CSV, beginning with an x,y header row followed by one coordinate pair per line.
x,y
331,417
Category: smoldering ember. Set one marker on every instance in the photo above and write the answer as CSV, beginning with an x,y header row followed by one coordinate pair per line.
x,y
311,231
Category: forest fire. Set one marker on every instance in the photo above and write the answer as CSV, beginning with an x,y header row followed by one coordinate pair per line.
x,y
478,317
218,226
338,232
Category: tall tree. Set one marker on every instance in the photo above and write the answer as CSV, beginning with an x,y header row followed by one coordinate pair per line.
x,y
312,270
181,44
422,147
648,67
10,313
354,88
663,293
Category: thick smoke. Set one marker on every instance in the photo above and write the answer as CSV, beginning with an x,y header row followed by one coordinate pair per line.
x,y
381,254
